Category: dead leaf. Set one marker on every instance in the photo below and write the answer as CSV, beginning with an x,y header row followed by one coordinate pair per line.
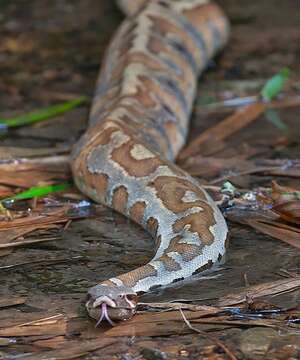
x,y
282,194
289,211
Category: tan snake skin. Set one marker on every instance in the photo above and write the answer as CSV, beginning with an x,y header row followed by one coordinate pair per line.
x,y
138,123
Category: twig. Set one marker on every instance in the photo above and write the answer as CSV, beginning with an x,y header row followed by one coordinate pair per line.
x,y
211,338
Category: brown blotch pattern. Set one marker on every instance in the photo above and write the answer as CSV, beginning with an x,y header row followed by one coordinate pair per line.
x,y
99,183
187,251
169,263
103,101
120,198
130,279
99,136
157,46
143,96
199,223
136,168
141,125
136,212
171,190
152,226
150,63
163,96
204,14
165,27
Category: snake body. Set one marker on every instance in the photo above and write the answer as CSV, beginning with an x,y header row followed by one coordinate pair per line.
x,y
138,123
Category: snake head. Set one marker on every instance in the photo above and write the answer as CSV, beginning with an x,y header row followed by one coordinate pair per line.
x,y
111,303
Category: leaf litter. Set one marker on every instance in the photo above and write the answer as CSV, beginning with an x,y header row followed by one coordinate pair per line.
x,y
44,218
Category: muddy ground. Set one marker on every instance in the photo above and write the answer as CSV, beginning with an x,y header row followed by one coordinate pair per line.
x,y
50,52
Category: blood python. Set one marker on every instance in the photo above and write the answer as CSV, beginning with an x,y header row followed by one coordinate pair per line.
x,y
138,123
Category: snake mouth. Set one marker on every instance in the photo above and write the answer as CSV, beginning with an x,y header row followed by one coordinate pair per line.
x,y
104,315
104,308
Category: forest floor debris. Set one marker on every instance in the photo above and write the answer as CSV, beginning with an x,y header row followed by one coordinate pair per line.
x,y
249,304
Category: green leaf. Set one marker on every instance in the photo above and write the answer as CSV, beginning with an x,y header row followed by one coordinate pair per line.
x,y
228,187
38,191
42,114
274,85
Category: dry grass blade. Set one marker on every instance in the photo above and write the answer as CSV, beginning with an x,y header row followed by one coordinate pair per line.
x,y
12,153
31,241
54,217
211,338
27,179
14,237
225,128
288,102
256,291
57,164
12,232
280,231
34,171
293,172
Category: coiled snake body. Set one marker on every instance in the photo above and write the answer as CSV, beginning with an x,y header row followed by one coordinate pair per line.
x,y
138,123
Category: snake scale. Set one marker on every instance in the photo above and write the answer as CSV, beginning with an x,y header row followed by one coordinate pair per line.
x,y
138,123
